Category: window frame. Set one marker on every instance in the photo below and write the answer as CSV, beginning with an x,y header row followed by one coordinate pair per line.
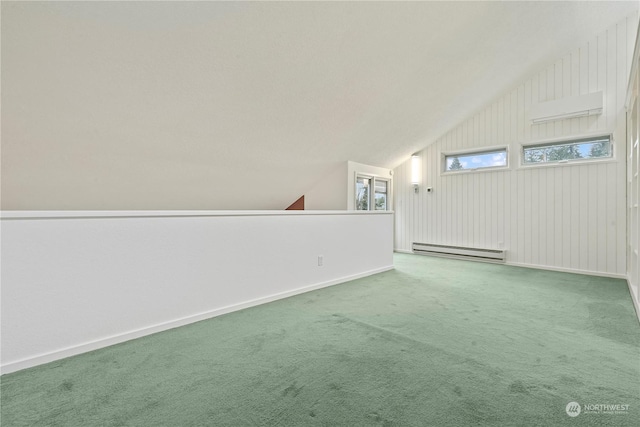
x,y
371,200
472,152
565,141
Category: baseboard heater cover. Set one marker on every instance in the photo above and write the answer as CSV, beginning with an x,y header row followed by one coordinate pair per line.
x,y
477,254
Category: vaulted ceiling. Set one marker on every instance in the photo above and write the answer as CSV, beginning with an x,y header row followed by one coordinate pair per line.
x,y
243,105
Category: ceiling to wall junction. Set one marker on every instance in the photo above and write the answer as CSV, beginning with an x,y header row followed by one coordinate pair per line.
x,y
245,105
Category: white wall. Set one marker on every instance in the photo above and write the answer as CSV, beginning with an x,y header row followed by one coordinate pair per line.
x,y
633,183
330,193
336,191
76,281
567,217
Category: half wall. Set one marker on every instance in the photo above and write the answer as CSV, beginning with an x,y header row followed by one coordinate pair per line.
x,y
77,281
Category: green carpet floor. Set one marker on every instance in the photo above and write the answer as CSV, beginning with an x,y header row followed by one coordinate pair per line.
x,y
435,342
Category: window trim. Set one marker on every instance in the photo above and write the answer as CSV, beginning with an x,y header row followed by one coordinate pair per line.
x,y
371,202
471,152
567,140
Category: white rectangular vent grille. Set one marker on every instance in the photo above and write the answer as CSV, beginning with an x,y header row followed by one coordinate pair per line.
x,y
488,255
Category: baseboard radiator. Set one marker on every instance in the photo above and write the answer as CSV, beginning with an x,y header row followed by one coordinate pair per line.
x,y
474,254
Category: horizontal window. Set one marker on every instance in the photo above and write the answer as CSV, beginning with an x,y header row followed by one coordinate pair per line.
x,y
475,160
568,151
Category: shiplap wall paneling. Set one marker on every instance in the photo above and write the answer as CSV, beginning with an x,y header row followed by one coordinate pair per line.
x,y
568,217
633,181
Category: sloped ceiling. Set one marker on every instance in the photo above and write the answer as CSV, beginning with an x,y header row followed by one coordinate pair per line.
x,y
216,105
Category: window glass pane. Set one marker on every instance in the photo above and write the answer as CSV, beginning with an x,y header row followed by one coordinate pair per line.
x,y
381,195
381,186
362,193
469,161
567,151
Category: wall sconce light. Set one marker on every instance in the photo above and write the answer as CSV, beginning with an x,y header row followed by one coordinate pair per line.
x,y
415,172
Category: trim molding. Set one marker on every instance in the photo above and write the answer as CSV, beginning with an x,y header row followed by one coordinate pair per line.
x,y
543,267
36,215
634,298
160,327
568,270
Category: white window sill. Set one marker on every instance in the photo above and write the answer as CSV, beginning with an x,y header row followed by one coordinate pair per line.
x,y
564,164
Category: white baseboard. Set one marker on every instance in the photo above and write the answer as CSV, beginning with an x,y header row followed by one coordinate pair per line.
x,y
402,251
130,335
544,267
568,270
635,298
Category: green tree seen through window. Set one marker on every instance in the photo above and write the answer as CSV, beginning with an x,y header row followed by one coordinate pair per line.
x,y
599,149
455,164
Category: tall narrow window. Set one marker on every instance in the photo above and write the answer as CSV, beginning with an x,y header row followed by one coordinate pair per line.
x,y
381,195
362,193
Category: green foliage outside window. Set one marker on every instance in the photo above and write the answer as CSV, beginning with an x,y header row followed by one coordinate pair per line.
x,y
455,164
568,151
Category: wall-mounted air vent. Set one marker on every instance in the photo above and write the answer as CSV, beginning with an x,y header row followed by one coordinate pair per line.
x,y
566,108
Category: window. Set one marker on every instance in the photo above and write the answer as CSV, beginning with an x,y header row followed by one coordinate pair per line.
x,y
372,193
475,160
362,193
568,151
380,195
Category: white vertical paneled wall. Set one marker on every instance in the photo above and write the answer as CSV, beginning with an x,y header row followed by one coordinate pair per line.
x,y
567,217
633,182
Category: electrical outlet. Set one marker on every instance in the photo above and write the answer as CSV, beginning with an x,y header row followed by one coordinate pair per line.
x,y
320,260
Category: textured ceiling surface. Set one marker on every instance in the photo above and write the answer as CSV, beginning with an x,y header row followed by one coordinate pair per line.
x,y
220,97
